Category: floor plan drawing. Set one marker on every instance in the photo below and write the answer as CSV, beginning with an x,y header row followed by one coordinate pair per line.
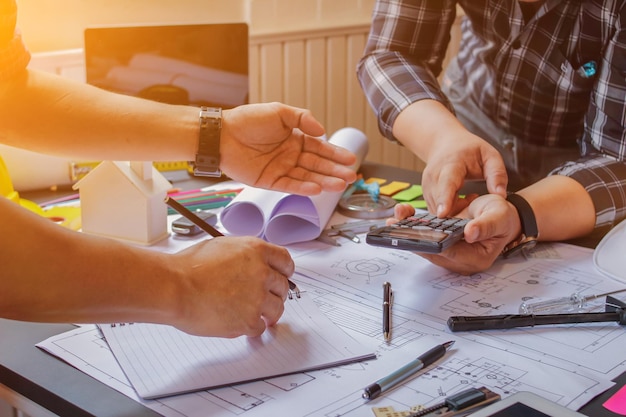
x,y
346,284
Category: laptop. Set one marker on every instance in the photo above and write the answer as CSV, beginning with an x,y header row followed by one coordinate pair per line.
x,y
199,64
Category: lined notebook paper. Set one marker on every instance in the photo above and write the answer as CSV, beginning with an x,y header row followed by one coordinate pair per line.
x,y
161,360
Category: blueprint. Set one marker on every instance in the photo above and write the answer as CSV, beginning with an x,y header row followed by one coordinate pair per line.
x,y
568,364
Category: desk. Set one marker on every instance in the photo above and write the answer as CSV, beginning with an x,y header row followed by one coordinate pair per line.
x,y
66,391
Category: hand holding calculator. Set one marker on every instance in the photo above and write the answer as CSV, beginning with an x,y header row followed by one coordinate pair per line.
x,y
419,233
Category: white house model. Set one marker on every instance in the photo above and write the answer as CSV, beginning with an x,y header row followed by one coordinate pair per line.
x,y
124,200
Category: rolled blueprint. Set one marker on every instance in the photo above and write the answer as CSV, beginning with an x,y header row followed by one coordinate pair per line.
x,y
282,218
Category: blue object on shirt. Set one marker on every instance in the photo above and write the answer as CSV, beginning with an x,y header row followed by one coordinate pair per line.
x,y
588,69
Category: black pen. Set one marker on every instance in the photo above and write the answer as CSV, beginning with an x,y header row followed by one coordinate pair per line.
x,y
387,301
391,380
192,217
510,321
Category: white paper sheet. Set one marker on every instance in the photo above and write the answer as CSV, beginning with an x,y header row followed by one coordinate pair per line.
x,y
161,360
282,218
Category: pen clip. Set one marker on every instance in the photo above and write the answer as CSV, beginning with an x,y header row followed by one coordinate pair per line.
x,y
387,293
294,291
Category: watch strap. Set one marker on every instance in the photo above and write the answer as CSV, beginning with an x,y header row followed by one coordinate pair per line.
x,y
530,232
207,162
526,215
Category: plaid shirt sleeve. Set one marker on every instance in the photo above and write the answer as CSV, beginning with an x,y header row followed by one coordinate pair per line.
x,y
14,56
394,72
604,178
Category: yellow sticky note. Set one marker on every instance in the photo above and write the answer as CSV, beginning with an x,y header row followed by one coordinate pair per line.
x,y
393,187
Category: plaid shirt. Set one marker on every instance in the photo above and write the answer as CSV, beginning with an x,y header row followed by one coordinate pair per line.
x,y
14,56
529,76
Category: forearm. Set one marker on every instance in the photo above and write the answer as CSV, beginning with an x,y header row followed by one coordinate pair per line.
x,y
49,114
563,208
51,274
425,125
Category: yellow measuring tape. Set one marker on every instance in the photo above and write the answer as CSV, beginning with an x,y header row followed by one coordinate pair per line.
x,y
79,169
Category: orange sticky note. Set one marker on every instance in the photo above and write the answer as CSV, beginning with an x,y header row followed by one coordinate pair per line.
x,y
380,181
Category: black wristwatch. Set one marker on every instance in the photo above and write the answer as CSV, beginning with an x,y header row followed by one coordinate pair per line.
x,y
207,163
528,238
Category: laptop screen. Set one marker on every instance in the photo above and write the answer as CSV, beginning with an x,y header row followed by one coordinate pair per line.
x,y
204,64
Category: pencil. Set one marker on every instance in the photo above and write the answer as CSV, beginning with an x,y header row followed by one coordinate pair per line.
x,y
293,288
192,217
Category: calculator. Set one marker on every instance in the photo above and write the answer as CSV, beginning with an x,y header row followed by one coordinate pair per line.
x,y
419,233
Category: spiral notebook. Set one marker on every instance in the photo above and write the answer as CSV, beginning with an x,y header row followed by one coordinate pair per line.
x,y
161,361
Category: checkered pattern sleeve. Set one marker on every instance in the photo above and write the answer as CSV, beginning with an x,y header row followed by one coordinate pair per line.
x,y
403,56
14,56
604,178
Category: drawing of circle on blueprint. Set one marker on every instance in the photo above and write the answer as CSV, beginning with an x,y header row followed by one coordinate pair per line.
x,y
366,267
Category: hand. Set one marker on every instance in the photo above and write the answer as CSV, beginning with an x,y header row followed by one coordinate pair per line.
x,y
464,156
231,286
494,224
275,146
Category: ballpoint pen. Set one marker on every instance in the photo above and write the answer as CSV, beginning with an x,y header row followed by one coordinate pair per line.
x,y
195,219
386,383
387,301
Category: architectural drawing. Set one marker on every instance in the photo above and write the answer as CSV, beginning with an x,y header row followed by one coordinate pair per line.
x,y
346,284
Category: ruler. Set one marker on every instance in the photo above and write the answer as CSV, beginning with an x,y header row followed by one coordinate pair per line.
x,y
81,168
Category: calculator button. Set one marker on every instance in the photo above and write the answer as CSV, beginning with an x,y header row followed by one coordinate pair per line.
x,y
422,227
450,222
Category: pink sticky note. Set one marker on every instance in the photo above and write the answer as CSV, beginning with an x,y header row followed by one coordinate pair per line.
x,y
617,402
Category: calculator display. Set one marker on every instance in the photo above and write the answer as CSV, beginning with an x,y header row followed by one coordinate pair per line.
x,y
401,233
